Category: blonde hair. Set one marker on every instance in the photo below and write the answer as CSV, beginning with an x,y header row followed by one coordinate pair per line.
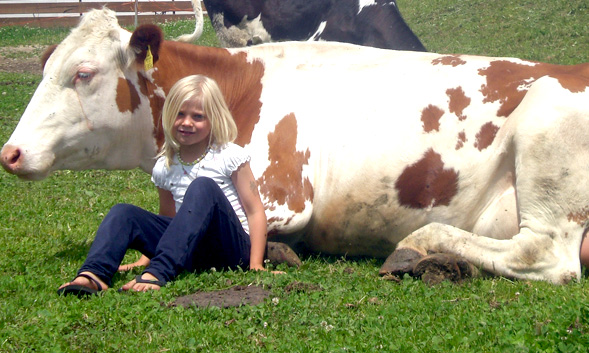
x,y
223,128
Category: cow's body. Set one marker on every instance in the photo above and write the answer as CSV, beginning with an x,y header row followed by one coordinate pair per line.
x,y
376,23
357,150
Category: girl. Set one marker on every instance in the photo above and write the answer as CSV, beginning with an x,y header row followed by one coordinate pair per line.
x,y
211,214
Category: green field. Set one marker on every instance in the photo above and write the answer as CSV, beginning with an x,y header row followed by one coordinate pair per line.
x,y
341,306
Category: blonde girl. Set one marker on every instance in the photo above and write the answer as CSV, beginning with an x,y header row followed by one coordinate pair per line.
x,y
210,214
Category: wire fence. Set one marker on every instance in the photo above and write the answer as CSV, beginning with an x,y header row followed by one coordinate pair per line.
x,y
66,13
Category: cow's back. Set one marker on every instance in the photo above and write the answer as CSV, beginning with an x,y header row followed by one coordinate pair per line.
x,y
371,122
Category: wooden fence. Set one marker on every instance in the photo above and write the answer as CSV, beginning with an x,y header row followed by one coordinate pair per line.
x,y
67,14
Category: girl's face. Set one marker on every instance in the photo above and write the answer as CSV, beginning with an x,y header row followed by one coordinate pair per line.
x,y
191,127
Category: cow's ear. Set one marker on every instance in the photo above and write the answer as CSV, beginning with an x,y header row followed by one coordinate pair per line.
x,y
47,54
146,38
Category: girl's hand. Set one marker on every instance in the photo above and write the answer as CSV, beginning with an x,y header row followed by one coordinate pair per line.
x,y
261,268
257,268
247,190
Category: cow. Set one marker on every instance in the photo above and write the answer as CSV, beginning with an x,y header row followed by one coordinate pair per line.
x,y
239,23
356,150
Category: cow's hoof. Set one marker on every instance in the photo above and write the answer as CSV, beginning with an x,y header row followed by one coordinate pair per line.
x,y
401,261
279,253
436,268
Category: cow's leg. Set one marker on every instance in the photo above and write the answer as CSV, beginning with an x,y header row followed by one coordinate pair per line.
x,y
548,135
432,268
278,253
528,255
401,261
436,268
498,221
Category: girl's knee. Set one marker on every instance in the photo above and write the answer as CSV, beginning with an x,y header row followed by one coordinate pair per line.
x,y
122,210
203,182
202,186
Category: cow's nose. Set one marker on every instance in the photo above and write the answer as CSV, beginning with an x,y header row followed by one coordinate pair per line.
x,y
11,158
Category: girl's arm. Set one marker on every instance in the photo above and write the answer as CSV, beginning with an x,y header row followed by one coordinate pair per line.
x,y
247,189
585,249
167,204
167,208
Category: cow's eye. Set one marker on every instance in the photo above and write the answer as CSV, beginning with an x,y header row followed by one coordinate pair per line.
x,y
83,76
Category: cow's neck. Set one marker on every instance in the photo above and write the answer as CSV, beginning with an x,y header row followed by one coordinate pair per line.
x,y
239,80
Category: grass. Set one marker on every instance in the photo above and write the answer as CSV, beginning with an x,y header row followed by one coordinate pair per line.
x,y
15,35
547,31
46,228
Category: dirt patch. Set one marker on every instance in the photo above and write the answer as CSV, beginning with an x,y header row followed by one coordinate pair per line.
x,y
22,59
302,287
232,297
237,296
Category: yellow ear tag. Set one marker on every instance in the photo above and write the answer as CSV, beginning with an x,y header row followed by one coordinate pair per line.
x,y
148,59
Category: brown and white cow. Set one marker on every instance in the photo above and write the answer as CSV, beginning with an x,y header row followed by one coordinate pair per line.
x,y
358,150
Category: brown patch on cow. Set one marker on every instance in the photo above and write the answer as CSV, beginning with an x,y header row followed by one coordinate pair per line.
x,y
508,82
147,36
273,229
274,219
282,220
504,81
458,102
240,79
127,96
461,140
573,83
427,183
430,116
581,217
451,60
48,52
485,136
283,181
243,97
156,103
528,255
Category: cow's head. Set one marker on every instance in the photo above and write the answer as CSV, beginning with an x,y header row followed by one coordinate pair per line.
x,y
89,111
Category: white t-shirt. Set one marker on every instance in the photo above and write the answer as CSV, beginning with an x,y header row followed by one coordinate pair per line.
x,y
218,164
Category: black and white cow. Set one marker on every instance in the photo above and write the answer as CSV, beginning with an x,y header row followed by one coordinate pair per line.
x,y
374,23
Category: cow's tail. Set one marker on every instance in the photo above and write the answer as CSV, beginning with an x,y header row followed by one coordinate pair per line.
x,y
198,28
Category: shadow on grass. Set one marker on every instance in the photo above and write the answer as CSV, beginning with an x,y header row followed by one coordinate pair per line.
x,y
73,251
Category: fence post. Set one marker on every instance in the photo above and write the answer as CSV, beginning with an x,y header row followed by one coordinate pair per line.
x,y
136,13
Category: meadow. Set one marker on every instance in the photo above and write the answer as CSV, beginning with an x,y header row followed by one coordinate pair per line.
x,y
330,303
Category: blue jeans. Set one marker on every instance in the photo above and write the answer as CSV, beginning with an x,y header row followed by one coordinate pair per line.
x,y
205,233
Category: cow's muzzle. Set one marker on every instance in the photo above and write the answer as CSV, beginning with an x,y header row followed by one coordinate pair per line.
x,y
11,159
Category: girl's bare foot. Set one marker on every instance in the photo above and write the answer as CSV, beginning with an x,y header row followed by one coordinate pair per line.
x,y
143,283
143,261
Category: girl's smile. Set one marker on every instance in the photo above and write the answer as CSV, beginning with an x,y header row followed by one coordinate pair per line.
x,y
185,133
192,129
